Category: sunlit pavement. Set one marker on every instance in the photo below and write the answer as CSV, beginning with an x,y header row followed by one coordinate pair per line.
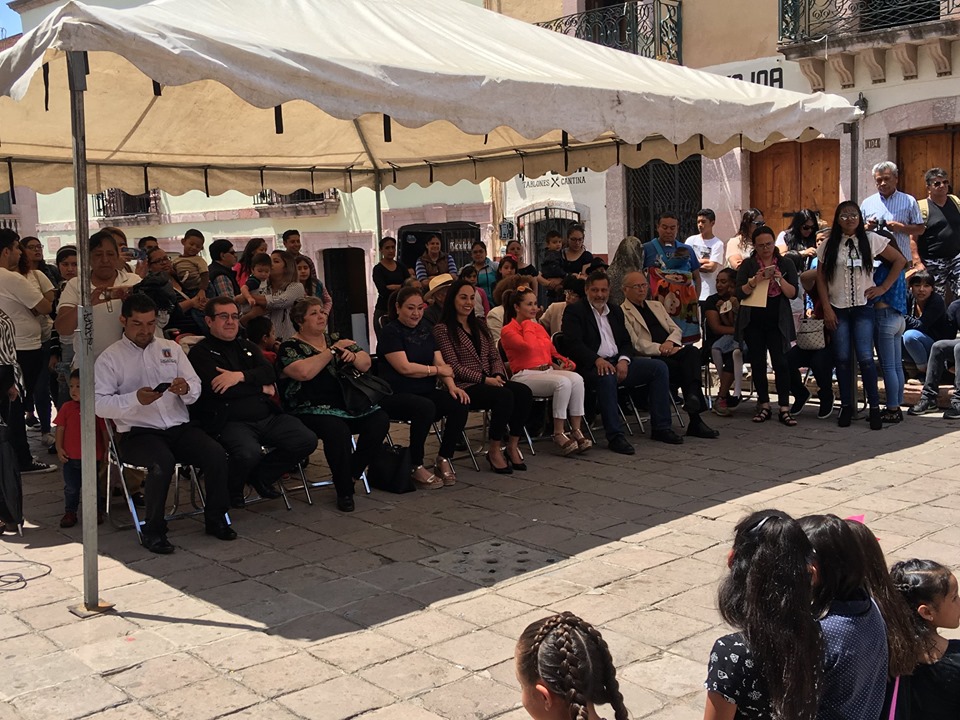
x,y
409,607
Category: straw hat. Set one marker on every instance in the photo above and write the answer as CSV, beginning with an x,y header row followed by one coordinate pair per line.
x,y
438,282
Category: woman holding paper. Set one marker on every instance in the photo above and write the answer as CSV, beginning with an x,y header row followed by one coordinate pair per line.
x,y
766,283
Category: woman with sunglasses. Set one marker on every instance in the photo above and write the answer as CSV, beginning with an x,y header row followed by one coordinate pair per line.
x,y
846,285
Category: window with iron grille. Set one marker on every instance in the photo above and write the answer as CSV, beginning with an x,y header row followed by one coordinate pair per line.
x,y
659,187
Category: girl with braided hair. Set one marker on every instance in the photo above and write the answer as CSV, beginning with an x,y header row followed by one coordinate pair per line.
x,y
930,592
565,670
770,667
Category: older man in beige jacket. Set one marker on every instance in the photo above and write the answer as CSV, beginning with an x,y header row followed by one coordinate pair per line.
x,y
654,334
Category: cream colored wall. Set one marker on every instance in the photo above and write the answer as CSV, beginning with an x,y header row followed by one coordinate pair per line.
x,y
532,11
720,32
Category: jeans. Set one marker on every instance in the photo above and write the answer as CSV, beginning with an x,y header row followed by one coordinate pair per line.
x,y
641,371
888,336
943,354
855,326
73,484
918,347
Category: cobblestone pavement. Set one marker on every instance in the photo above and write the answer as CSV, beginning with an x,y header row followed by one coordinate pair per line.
x,y
409,608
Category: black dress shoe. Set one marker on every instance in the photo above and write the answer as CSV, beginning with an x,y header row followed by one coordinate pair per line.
x,y
345,503
666,436
265,491
699,429
237,501
158,544
138,499
220,530
619,444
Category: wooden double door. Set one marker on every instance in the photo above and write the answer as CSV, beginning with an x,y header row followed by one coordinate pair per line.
x,y
921,150
791,176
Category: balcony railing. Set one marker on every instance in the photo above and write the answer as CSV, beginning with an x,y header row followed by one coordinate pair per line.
x,y
10,222
114,202
650,28
805,20
299,197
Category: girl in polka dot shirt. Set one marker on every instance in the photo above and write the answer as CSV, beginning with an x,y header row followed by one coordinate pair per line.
x,y
854,635
769,668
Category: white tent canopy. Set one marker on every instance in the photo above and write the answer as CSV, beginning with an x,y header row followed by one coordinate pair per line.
x,y
469,94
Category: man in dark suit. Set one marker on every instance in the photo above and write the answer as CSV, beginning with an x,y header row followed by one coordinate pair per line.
x,y
595,337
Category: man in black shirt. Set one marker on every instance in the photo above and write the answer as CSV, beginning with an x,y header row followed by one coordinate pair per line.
x,y
939,245
654,334
236,406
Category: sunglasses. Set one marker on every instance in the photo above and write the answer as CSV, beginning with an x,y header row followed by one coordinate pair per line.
x,y
939,183
807,228
758,222
849,217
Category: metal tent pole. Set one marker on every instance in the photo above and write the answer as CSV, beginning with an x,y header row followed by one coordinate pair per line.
x,y
83,343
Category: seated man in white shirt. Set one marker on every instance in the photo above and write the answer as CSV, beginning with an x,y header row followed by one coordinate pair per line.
x,y
144,384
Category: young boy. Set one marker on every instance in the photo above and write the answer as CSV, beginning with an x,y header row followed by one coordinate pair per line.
x,y
710,251
68,450
259,274
551,269
191,268
261,333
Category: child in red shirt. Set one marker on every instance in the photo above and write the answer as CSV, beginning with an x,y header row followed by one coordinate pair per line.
x,y
68,450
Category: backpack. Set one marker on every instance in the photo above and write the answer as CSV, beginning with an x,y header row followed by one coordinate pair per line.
x,y
925,206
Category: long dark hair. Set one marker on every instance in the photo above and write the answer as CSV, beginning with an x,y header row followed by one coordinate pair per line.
x,y
903,649
448,313
921,582
508,260
249,253
745,231
832,248
793,237
767,595
573,660
840,562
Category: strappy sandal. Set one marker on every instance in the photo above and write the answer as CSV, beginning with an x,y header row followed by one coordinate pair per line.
x,y
763,414
583,443
786,418
430,482
567,445
444,470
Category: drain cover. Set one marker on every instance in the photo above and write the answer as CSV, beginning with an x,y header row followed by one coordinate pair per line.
x,y
490,561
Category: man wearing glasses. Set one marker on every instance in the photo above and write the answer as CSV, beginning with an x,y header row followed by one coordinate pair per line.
x,y
897,211
938,246
237,406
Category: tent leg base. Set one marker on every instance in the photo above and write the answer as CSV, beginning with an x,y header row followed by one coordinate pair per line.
x,y
84,611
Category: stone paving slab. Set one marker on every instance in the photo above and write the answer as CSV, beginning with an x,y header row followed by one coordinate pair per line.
x,y
392,613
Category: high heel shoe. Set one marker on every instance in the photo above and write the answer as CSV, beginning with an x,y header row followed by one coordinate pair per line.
x,y
499,471
583,443
444,470
567,445
521,466
430,482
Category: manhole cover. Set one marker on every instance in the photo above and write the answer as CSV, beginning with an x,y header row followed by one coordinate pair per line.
x,y
490,561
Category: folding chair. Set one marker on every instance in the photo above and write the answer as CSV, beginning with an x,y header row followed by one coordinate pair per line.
x,y
307,484
196,491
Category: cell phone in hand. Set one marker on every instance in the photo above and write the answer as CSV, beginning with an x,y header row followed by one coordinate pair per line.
x,y
162,387
768,271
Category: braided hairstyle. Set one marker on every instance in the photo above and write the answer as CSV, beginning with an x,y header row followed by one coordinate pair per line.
x,y
904,649
573,660
921,582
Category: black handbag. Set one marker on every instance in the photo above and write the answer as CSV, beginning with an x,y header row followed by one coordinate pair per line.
x,y
361,390
390,469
